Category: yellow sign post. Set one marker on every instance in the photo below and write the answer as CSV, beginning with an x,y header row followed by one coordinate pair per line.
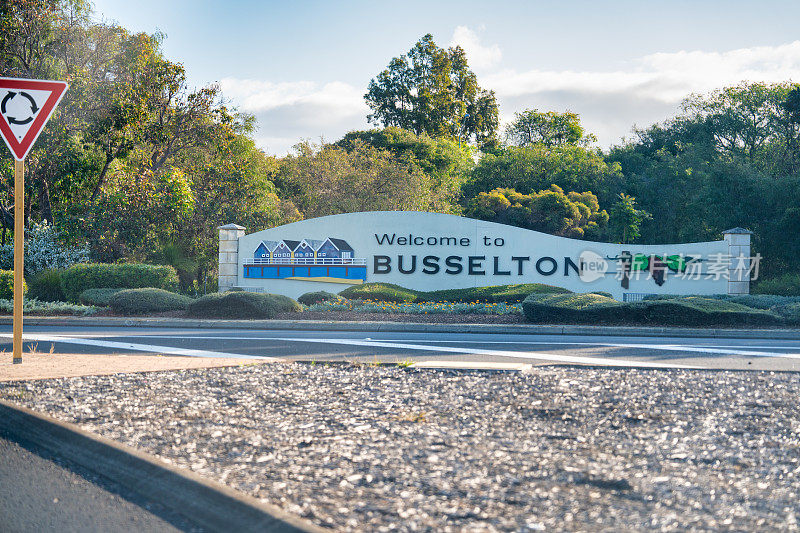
x,y
19,255
25,106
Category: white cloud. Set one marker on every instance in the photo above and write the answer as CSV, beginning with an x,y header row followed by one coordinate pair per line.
x,y
610,102
480,57
290,111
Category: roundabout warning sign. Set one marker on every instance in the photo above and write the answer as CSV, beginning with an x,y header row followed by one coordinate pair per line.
x,y
25,106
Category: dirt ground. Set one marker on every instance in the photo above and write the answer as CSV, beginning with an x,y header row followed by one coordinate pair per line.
x,y
46,365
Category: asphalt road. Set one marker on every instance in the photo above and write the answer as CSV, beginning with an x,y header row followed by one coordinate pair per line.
x,y
457,349
40,493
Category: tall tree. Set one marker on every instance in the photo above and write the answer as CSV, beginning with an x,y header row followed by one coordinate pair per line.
x,y
548,128
626,220
431,90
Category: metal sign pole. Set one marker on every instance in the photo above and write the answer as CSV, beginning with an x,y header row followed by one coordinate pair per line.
x,y
19,255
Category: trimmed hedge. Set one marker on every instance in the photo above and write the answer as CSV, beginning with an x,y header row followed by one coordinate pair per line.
x,y
688,311
785,285
7,285
147,300
246,305
311,298
45,286
382,292
388,292
98,297
78,278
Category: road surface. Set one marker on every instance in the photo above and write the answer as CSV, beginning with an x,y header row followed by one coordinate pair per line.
x,y
458,349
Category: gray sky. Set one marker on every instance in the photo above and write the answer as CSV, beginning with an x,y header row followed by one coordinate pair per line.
x,y
302,67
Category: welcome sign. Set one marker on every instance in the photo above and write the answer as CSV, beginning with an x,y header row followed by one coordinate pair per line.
x,y
431,251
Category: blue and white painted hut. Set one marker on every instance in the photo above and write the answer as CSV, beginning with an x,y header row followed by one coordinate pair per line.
x,y
265,249
304,250
335,248
284,252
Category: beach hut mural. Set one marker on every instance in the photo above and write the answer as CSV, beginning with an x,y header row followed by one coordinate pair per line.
x,y
304,250
284,252
332,260
265,249
336,248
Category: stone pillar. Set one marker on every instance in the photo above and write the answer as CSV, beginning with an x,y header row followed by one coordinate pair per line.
x,y
738,240
228,273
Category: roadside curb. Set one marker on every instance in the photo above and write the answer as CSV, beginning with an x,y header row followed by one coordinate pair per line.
x,y
411,327
210,505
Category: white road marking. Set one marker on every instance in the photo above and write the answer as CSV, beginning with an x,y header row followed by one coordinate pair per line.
x,y
392,343
135,347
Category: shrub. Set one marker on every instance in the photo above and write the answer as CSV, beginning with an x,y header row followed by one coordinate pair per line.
x,y
686,311
383,292
78,278
46,286
785,285
147,300
7,285
497,293
44,250
98,297
311,298
35,307
790,312
247,305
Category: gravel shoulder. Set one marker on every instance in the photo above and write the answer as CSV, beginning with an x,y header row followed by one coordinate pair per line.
x,y
363,448
47,365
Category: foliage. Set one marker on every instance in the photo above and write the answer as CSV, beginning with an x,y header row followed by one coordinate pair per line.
x,y
548,128
7,285
78,278
147,300
36,307
575,215
446,163
44,249
419,308
432,90
389,292
385,292
536,167
785,285
311,298
45,286
244,305
98,297
327,180
686,311
626,220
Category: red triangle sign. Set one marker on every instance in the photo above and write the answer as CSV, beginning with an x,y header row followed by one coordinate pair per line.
x,y
25,106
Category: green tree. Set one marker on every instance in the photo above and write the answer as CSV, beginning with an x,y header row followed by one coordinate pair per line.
x,y
549,128
626,220
576,215
431,90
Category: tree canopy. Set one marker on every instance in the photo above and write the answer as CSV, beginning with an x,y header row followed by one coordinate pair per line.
x,y
431,90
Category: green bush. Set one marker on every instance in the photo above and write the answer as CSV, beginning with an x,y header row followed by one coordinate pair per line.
x,y
790,312
247,305
785,285
686,311
46,286
311,298
36,307
7,285
381,292
494,294
98,297
78,278
147,300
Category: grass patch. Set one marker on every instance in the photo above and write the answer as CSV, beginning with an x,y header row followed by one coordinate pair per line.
x,y
147,300
241,305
